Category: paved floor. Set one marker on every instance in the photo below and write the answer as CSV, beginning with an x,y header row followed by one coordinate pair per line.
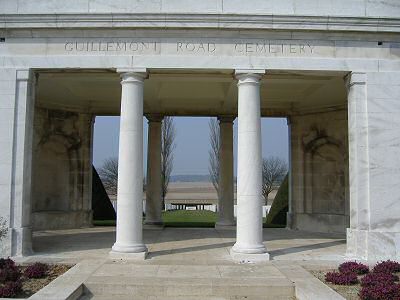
x,y
182,245
188,263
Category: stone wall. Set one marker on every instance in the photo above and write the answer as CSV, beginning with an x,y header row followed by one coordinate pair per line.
x,y
374,119
62,169
320,197
16,117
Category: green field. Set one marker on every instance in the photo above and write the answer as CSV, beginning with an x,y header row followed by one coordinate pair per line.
x,y
189,218
185,218
178,218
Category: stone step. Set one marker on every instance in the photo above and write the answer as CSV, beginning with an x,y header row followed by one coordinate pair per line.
x,y
224,288
92,297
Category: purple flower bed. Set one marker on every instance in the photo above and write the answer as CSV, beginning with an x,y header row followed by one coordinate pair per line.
x,y
8,271
339,278
373,279
353,266
37,270
10,289
387,266
380,284
382,291
19,281
6,263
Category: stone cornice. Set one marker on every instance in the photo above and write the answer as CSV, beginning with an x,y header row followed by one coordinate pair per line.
x,y
213,21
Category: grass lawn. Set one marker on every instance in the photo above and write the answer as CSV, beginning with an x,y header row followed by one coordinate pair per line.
x,y
178,218
185,218
189,218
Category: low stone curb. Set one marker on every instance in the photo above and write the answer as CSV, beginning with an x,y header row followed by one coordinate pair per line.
x,y
308,287
69,286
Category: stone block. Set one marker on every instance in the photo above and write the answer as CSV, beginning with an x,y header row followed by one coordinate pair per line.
x,y
127,256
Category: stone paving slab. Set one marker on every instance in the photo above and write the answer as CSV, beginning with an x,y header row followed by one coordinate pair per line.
x,y
174,245
193,262
68,286
308,287
189,280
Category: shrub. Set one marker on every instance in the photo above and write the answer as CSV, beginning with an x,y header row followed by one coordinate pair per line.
x,y
8,271
373,279
353,266
37,270
6,263
348,278
382,291
10,289
387,266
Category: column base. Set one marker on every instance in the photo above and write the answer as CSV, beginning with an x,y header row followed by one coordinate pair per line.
x,y
249,257
128,256
21,239
138,248
289,220
372,246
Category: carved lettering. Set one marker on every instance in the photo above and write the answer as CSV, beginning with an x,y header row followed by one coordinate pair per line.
x,y
111,46
270,47
193,47
239,48
211,47
69,47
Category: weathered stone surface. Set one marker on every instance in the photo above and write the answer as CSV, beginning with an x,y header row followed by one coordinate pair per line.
x,y
320,200
62,170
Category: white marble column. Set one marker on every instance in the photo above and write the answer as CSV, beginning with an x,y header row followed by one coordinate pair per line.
x,y
249,239
129,235
153,182
225,182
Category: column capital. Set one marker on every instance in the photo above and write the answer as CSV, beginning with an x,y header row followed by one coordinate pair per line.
x,y
226,119
249,76
23,74
154,117
355,78
132,74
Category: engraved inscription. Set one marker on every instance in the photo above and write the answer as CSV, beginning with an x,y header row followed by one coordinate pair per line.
x,y
274,48
111,46
220,47
195,47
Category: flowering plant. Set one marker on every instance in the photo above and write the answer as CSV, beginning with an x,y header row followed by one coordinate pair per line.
x,y
353,266
339,278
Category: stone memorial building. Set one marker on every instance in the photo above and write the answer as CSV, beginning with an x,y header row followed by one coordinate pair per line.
x,y
332,68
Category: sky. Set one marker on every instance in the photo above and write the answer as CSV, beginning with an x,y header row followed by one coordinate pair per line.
x,y
192,142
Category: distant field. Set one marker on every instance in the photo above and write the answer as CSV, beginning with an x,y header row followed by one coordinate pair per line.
x,y
178,218
183,218
189,218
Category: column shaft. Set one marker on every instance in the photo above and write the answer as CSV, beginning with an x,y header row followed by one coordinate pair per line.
x,y
249,239
129,236
225,182
153,186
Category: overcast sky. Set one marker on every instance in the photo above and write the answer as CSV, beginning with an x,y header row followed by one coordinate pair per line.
x,y
192,142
